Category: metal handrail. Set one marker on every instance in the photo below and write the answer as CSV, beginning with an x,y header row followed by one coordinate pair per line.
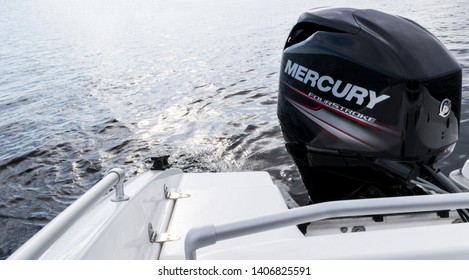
x,y
204,236
42,240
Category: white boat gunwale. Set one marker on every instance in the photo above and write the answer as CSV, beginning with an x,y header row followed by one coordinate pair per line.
x,y
151,188
208,235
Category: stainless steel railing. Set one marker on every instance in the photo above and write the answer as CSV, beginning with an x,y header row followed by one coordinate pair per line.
x,y
208,235
42,240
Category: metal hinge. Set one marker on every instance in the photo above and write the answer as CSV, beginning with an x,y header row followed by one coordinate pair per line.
x,y
174,195
156,237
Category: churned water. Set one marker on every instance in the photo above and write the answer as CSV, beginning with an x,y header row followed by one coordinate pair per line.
x,y
89,85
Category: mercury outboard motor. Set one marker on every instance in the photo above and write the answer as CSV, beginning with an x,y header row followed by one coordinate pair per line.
x,y
368,103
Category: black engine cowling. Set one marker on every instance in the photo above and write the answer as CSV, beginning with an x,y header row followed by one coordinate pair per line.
x,y
359,87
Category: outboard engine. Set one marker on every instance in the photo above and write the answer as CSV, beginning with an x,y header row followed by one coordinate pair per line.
x,y
368,103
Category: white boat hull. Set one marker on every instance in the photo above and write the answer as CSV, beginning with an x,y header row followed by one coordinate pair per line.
x,y
171,215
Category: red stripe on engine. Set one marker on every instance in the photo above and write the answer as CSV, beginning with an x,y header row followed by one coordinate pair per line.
x,y
339,112
338,129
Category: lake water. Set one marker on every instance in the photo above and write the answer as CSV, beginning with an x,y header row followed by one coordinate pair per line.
x,y
86,86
